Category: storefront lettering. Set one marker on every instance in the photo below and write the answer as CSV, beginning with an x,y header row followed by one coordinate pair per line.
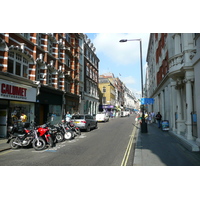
x,y
13,90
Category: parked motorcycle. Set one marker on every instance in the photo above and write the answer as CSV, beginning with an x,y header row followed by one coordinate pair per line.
x,y
69,124
66,131
45,133
58,136
74,128
24,137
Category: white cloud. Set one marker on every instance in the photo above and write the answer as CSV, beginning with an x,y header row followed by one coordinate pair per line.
x,y
128,80
121,53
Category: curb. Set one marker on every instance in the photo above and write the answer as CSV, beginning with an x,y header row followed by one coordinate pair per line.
x,y
1,150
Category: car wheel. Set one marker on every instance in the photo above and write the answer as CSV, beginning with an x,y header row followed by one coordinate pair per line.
x,y
96,126
88,128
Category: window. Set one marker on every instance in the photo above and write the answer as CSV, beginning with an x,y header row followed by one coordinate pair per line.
x,y
17,64
67,60
39,36
104,100
49,78
104,89
26,35
38,72
67,86
87,71
68,38
50,46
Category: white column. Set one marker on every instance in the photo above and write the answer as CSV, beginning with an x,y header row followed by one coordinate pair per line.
x,y
179,110
162,105
177,41
189,108
173,105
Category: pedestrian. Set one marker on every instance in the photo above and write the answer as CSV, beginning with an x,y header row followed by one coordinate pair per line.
x,y
68,116
149,118
159,118
152,117
146,116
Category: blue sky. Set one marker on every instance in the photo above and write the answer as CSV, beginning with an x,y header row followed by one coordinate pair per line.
x,y
121,58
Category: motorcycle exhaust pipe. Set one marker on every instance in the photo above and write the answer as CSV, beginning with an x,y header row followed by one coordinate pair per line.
x,y
17,143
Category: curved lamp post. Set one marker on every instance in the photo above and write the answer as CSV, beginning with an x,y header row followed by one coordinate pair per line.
x,y
143,124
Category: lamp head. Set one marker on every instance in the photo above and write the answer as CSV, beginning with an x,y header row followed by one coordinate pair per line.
x,y
123,40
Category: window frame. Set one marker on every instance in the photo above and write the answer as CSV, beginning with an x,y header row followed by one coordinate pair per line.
x,y
20,64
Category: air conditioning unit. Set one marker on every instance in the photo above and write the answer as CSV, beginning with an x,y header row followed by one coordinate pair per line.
x,y
41,56
51,63
67,73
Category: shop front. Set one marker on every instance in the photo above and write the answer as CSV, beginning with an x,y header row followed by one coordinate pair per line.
x,y
49,106
15,99
110,109
71,103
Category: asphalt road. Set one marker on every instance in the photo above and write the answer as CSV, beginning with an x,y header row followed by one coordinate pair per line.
x,y
105,146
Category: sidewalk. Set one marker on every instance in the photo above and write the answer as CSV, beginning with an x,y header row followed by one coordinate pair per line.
x,y
4,145
159,148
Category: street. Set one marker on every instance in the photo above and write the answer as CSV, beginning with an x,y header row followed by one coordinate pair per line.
x,y
109,145
118,142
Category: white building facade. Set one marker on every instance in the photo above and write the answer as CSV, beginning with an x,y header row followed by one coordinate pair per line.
x,y
173,64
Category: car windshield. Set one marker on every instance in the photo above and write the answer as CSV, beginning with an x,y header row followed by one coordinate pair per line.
x,y
77,117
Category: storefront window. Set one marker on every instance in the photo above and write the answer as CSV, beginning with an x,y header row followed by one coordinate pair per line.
x,y
17,108
55,114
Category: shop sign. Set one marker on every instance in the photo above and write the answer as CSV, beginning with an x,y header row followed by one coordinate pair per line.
x,y
107,106
15,91
145,101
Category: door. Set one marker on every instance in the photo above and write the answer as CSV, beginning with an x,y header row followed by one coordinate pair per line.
x,y
41,121
3,123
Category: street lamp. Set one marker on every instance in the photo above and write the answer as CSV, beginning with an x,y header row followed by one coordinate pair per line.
x,y
143,124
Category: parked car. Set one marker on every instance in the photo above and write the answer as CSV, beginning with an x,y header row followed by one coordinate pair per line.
x,y
84,121
102,117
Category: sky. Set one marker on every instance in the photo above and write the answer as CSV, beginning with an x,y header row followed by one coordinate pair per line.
x,y
122,59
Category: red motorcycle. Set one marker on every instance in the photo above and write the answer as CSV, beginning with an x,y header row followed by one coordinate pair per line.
x,y
45,133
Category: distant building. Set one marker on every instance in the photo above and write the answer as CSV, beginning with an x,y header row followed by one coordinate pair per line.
x,y
91,75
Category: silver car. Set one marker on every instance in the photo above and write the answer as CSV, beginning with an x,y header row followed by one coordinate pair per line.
x,y
84,121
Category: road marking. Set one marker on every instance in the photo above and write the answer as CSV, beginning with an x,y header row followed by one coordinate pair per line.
x,y
128,149
5,152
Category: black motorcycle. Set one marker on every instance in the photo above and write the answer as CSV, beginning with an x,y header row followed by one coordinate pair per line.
x,y
22,137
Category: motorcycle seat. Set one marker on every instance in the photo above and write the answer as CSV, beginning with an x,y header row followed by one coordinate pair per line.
x,y
19,134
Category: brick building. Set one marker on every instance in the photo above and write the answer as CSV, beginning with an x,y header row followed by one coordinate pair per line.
x,y
39,75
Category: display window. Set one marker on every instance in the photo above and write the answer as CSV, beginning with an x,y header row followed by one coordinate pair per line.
x,y
55,114
21,112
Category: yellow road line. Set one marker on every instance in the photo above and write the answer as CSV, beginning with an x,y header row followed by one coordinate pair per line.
x,y
128,148
5,152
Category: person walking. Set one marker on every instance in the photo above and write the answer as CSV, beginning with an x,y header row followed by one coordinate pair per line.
x,y
152,117
159,118
68,116
149,118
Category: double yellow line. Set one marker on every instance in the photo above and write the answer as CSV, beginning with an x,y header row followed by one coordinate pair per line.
x,y
128,149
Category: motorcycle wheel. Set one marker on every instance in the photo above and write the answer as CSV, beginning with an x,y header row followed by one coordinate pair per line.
x,y
59,137
39,144
68,135
13,145
51,143
78,132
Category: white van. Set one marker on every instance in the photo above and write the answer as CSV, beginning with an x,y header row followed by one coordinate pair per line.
x,y
102,117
